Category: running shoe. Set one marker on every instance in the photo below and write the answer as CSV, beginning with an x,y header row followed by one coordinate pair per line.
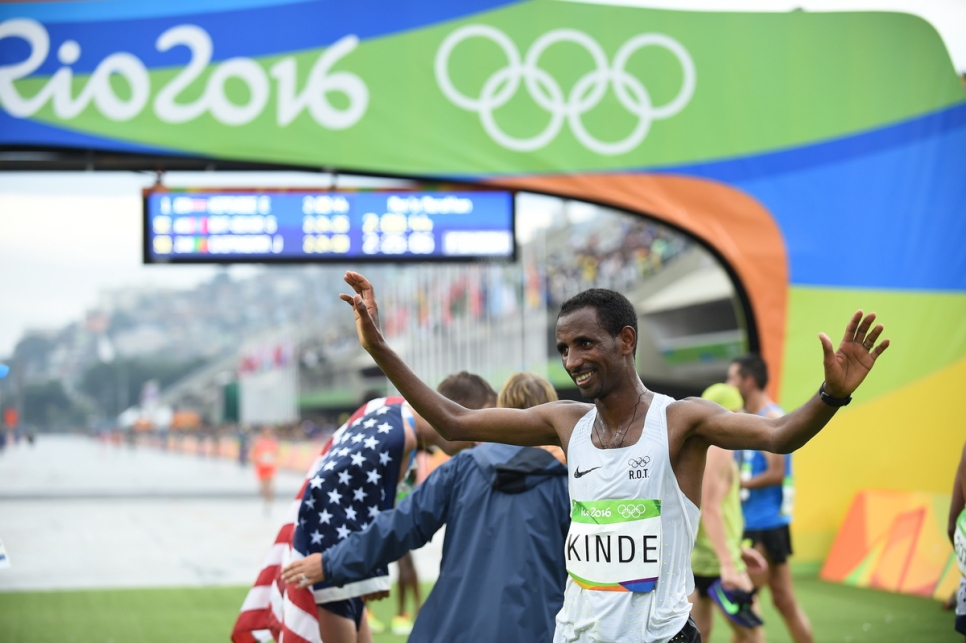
x,y
375,625
402,625
735,604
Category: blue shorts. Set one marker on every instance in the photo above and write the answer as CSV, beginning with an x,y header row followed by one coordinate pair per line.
x,y
350,608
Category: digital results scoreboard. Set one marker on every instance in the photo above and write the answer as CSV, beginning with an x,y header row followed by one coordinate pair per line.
x,y
262,226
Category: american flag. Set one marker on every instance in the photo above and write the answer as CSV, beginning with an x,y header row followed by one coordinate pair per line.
x,y
352,480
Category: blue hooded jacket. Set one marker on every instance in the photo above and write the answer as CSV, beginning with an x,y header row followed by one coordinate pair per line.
x,y
502,575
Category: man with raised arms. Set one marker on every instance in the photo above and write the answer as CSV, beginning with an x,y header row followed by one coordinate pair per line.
x,y
635,458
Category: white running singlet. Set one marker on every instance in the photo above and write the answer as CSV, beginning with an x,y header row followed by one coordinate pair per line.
x,y
628,552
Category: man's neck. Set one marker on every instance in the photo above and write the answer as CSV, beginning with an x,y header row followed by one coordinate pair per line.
x,y
617,407
757,401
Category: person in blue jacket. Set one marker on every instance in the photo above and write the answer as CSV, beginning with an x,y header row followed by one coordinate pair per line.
x,y
507,513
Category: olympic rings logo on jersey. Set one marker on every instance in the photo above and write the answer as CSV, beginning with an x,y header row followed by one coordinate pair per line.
x,y
632,511
544,89
634,463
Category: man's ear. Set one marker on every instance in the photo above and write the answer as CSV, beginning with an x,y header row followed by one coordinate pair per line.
x,y
628,340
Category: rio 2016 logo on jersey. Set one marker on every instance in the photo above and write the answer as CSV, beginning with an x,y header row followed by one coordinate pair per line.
x,y
166,105
544,89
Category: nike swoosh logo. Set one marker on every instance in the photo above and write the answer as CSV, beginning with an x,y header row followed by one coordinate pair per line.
x,y
731,608
578,473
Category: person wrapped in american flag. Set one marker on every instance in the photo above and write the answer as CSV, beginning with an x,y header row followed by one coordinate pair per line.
x,y
351,482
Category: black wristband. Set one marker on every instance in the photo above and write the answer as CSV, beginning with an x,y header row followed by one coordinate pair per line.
x,y
834,402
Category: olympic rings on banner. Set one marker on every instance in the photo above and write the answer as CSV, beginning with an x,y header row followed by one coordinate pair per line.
x,y
634,463
632,511
546,92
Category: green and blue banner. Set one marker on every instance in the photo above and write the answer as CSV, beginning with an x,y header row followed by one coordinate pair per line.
x,y
821,155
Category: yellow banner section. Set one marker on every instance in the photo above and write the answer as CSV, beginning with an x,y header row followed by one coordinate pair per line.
x,y
905,441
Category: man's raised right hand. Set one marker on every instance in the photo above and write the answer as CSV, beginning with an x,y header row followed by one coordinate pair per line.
x,y
366,311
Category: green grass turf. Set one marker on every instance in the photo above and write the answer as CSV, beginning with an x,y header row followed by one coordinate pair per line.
x,y
851,615
189,615
182,615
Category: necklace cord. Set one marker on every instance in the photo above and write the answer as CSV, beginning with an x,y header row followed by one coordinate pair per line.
x,y
622,431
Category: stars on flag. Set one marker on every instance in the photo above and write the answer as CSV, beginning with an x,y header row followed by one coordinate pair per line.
x,y
317,523
329,512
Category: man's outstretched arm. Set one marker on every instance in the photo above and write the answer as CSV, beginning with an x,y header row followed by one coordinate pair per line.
x,y
530,427
845,369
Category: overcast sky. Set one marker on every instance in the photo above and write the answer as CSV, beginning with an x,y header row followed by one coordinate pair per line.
x,y
52,269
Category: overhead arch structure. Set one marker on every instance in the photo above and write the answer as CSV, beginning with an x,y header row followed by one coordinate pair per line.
x,y
821,155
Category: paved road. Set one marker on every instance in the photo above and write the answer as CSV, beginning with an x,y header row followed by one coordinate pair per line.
x,y
78,513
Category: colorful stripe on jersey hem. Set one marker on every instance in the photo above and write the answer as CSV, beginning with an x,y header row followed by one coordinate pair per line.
x,y
641,585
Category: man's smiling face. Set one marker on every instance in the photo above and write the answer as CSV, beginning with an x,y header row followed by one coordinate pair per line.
x,y
590,355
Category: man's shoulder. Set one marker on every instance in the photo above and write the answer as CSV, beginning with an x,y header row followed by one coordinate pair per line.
x,y
566,413
689,412
571,406
697,405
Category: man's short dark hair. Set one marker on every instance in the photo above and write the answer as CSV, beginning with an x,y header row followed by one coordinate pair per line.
x,y
752,364
467,389
614,310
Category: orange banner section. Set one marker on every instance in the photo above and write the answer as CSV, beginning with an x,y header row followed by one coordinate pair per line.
x,y
732,223
895,541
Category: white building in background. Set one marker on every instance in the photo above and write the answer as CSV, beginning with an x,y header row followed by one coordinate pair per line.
x,y
268,388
